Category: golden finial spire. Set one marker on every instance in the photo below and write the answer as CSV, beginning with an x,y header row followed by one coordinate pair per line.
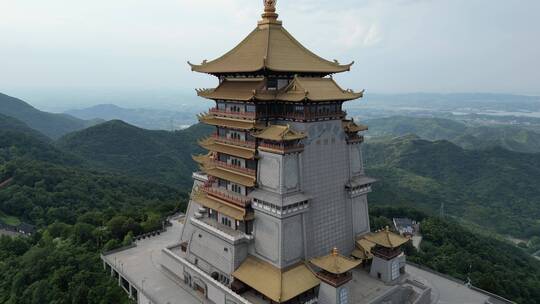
x,y
269,15
335,251
270,6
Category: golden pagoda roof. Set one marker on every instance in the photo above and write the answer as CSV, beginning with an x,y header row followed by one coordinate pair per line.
x,y
352,127
234,150
335,263
300,89
233,123
386,238
224,173
243,89
270,47
279,285
279,133
220,206
363,249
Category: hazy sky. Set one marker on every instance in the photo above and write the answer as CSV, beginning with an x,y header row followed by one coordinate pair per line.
x,y
398,45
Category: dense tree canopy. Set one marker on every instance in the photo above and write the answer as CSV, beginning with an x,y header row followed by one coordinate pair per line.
x,y
490,264
494,188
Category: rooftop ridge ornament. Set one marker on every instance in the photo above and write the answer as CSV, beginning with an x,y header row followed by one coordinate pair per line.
x,y
269,15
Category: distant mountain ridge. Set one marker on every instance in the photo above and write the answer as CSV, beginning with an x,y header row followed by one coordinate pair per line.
x,y
8,123
152,119
495,187
50,124
470,137
156,156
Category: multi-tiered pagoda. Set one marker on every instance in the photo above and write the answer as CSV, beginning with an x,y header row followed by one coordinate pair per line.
x,y
283,180
278,212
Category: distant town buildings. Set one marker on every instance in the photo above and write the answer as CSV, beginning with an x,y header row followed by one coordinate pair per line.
x,y
406,227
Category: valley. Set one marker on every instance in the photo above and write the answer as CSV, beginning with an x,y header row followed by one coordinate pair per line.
x,y
97,188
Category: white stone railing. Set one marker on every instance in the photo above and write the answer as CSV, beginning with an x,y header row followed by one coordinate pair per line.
x,y
228,237
207,278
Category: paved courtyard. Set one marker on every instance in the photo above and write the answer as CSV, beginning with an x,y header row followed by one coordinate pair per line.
x,y
445,291
141,266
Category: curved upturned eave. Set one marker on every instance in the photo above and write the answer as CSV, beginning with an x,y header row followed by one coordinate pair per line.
x,y
262,60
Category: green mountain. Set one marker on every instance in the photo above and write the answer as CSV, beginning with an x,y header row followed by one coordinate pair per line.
x,y
467,136
11,124
509,137
427,128
495,188
26,145
52,125
155,156
152,119
79,213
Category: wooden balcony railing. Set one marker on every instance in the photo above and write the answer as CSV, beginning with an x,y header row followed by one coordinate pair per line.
x,y
236,199
282,147
242,170
355,139
309,116
244,115
231,141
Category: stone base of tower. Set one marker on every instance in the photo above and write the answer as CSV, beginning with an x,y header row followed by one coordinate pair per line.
x,y
153,271
388,270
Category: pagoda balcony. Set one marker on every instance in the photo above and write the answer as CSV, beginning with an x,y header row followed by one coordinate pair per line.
x,y
234,114
234,168
235,142
355,139
280,148
226,195
310,116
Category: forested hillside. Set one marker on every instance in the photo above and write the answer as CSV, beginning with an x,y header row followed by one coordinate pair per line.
x,y
8,123
155,156
472,137
495,188
78,213
52,125
96,188
490,264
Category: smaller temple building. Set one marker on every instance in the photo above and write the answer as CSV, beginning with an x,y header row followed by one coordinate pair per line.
x,y
335,275
388,259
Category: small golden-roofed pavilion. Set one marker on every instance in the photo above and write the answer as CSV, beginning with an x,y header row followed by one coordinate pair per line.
x,y
335,263
335,268
270,47
363,249
279,133
386,238
300,89
279,285
352,127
